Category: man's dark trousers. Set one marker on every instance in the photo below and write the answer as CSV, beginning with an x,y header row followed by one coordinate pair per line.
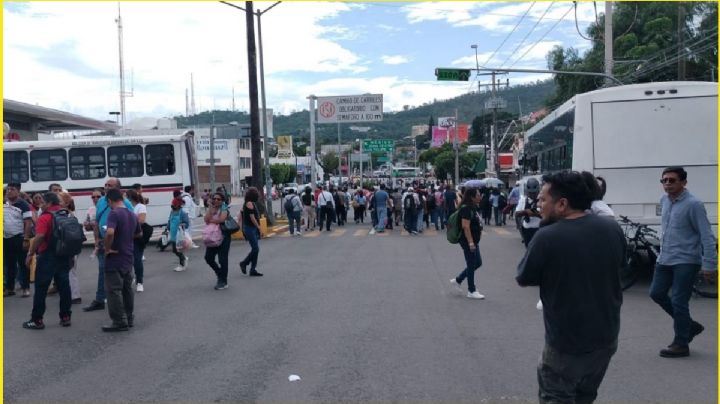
x,y
572,378
120,297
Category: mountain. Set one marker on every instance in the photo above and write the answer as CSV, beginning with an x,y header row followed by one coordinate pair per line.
x,y
395,125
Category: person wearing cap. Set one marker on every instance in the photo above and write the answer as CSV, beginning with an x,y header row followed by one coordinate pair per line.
x,y
178,218
527,209
410,204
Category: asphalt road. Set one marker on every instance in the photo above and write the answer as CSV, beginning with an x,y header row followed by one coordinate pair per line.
x,y
358,318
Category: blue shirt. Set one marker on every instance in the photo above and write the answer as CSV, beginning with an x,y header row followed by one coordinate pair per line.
x,y
686,234
381,198
102,210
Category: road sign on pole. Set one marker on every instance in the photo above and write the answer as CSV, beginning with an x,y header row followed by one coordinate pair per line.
x,y
350,108
448,74
378,145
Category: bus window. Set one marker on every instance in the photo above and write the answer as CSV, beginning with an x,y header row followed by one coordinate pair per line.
x,y
125,161
48,165
87,163
159,159
15,166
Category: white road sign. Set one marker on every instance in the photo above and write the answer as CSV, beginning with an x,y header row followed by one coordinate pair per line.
x,y
350,108
446,122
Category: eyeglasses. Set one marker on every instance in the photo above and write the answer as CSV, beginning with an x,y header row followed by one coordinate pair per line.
x,y
668,180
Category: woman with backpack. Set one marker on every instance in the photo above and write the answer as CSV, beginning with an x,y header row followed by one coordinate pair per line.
x,y
471,229
359,207
140,210
66,202
308,201
217,242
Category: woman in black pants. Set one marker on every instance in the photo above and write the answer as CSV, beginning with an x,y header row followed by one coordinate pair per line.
x,y
217,213
250,219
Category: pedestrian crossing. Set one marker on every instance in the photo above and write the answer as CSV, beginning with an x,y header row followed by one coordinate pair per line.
x,y
365,232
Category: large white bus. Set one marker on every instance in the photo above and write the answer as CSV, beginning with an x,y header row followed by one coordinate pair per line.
x,y
627,135
162,164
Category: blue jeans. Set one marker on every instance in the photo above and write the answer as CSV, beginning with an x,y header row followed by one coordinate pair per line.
x,y
100,292
252,234
435,215
294,216
473,261
680,278
49,267
497,213
138,250
419,219
381,216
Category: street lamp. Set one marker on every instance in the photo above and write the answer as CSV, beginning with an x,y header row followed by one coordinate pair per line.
x,y
117,116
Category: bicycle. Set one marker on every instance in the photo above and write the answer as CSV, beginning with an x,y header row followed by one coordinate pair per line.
x,y
643,248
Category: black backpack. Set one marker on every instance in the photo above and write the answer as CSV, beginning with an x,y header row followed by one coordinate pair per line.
x,y
289,204
409,203
68,234
431,202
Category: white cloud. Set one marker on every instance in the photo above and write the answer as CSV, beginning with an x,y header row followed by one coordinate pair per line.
x,y
450,11
395,60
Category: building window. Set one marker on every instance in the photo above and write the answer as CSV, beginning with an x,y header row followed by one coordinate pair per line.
x,y
15,166
48,165
87,163
160,159
125,161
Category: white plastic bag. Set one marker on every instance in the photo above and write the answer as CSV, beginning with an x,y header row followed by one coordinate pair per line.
x,y
180,236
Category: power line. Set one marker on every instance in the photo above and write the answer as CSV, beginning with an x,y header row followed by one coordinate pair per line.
x,y
508,35
576,24
543,37
451,11
527,35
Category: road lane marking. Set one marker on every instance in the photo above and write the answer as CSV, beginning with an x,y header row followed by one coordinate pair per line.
x,y
338,233
360,233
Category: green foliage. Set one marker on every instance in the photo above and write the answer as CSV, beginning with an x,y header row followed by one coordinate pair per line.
x,y
395,125
329,163
445,163
282,173
645,48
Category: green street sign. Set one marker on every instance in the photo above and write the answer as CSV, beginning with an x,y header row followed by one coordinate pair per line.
x,y
378,145
445,74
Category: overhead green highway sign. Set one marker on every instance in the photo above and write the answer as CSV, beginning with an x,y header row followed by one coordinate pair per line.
x,y
447,74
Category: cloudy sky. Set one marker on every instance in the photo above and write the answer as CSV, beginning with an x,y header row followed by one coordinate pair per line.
x,y
64,55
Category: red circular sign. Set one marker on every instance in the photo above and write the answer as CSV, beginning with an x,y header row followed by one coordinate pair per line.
x,y
327,109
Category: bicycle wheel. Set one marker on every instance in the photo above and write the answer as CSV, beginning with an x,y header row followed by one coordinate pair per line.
x,y
629,271
705,288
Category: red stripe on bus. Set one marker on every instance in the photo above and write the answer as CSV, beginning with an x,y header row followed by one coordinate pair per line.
x,y
145,190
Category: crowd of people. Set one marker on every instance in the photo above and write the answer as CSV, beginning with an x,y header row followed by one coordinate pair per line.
x,y
574,253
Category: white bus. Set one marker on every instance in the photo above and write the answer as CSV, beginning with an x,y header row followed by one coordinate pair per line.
x,y
627,135
162,164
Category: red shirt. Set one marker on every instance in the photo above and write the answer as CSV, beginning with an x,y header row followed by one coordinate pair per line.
x,y
44,226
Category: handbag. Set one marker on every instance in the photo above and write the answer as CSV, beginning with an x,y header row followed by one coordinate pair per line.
x,y
229,226
212,235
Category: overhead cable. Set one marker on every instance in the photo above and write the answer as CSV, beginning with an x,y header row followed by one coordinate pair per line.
x,y
543,37
527,35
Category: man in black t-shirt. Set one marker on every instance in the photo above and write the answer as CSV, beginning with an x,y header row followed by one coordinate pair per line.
x,y
575,258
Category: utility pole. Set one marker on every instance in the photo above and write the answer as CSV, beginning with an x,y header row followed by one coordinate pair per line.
x,y
266,145
456,146
681,42
122,73
313,157
608,41
493,131
255,149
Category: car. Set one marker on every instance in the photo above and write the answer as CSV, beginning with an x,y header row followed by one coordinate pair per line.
x,y
294,186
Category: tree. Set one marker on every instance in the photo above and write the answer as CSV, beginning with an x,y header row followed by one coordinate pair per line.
x,y
329,162
647,47
282,173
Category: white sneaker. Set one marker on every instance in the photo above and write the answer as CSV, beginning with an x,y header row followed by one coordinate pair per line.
x,y
455,283
140,287
475,295
143,258
195,245
372,231
539,305
179,268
